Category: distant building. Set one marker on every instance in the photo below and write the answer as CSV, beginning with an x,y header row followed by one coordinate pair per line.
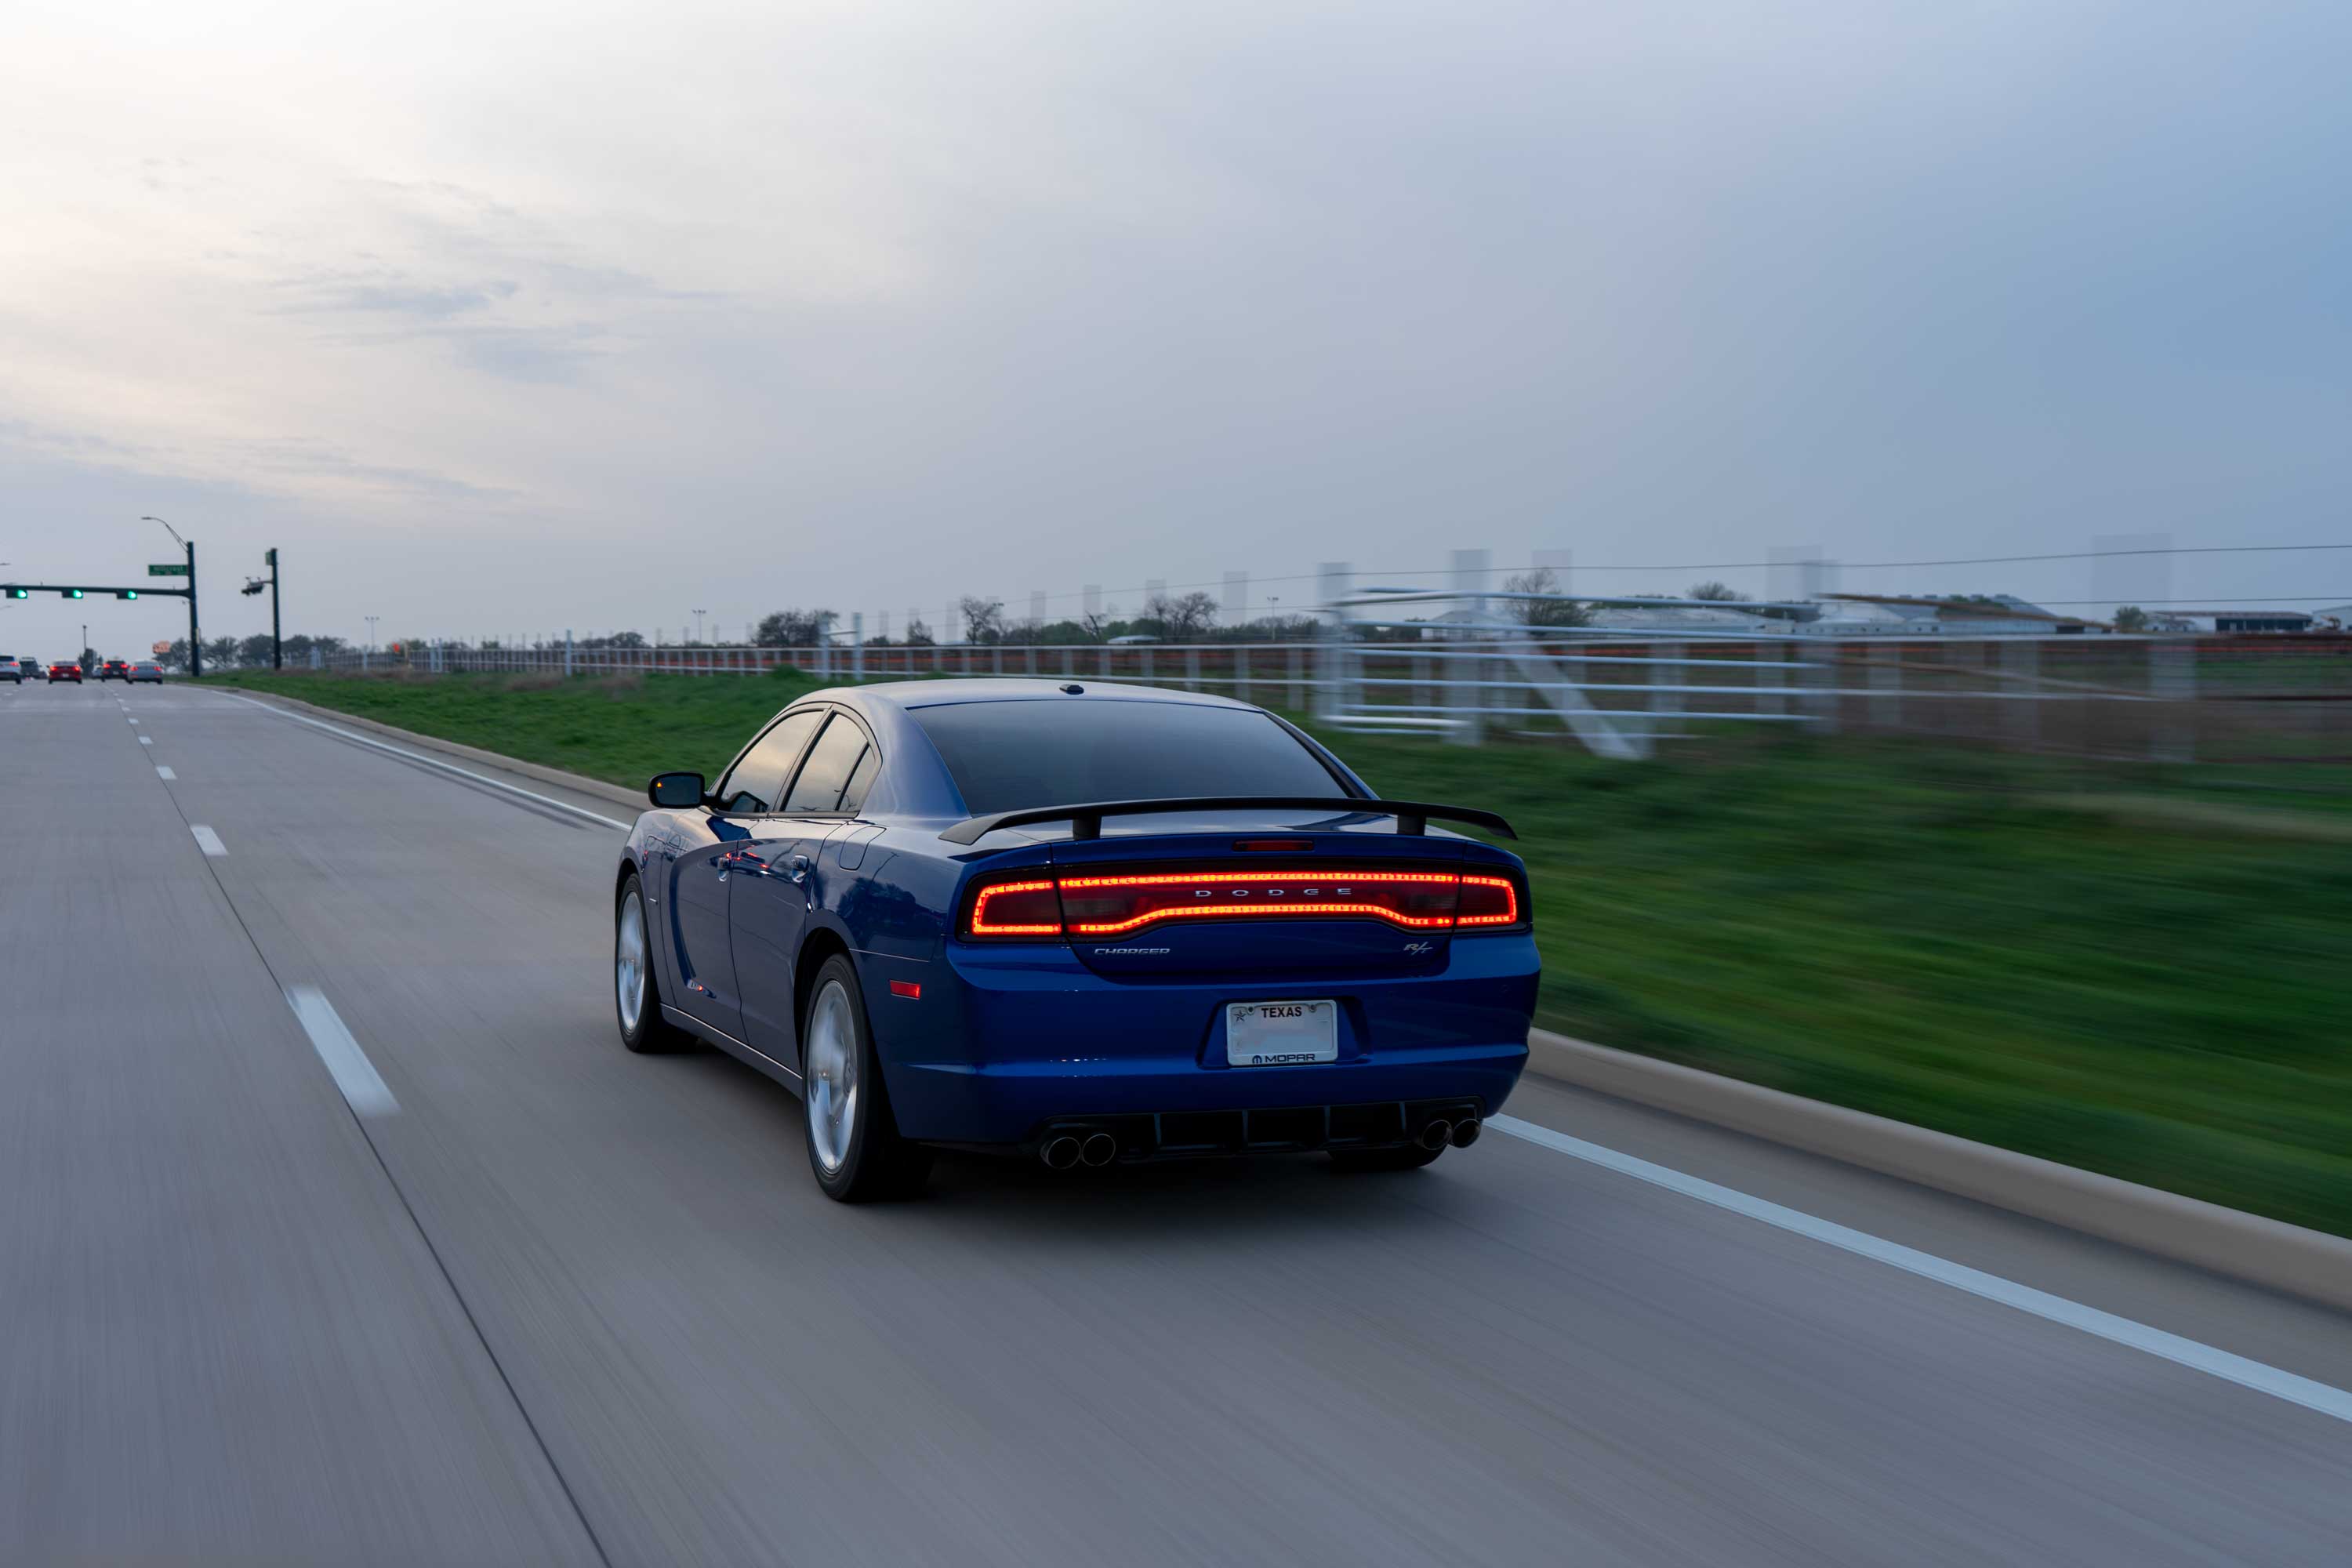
x,y
1729,620
2230,621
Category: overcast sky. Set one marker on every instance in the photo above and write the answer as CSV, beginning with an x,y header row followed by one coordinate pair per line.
x,y
510,318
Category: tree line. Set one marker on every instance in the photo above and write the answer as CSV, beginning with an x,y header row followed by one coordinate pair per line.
x,y
251,653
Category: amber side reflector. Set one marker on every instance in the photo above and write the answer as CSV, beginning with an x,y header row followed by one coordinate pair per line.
x,y
912,990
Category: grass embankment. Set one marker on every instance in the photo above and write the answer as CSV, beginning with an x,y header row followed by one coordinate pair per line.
x,y
1935,933
621,729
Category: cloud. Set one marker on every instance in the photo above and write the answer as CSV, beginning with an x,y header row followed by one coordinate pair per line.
x,y
903,302
303,458
394,293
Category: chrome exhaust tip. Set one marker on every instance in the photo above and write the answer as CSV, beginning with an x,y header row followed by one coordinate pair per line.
x,y
1466,1132
1436,1134
1059,1153
1099,1149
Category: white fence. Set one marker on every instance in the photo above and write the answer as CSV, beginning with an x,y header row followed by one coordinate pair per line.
x,y
2165,699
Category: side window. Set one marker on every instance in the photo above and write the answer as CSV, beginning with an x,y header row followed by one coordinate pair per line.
x,y
757,783
830,762
861,778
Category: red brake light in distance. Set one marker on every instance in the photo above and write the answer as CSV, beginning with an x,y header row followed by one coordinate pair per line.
x,y
1119,905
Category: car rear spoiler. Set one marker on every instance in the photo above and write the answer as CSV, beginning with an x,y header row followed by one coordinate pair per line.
x,y
1086,821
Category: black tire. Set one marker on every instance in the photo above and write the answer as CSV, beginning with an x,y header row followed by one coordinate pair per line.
x,y
1411,1157
854,1148
649,1034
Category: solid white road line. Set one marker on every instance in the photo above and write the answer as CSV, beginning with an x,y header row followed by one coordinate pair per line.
x,y
164,774
2261,1378
363,1090
207,840
435,763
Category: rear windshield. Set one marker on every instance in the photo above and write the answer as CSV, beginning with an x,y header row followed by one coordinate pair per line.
x,y
1006,756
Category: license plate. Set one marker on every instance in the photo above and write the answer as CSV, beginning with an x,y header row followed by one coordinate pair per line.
x,y
1281,1034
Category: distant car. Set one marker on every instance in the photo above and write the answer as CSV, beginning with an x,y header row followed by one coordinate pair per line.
x,y
114,669
31,668
12,672
64,670
147,670
1089,923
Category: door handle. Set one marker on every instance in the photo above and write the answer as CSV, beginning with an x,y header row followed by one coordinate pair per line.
x,y
800,868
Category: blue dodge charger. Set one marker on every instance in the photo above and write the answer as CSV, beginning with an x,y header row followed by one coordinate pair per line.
x,y
1089,922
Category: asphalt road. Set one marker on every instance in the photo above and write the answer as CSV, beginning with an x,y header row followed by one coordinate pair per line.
x,y
548,1302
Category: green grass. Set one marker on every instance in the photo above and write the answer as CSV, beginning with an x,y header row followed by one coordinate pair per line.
x,y
622,729
1935,933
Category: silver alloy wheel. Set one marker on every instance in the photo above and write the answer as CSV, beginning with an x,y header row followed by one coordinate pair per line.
x,y
629,963
832,1084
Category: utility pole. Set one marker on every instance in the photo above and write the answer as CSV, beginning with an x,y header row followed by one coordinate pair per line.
x,y
255,586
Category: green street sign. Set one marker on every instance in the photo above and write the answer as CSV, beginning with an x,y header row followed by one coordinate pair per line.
x,y
176,569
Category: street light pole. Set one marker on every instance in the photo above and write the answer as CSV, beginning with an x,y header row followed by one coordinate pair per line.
x,y
195,634
369,657
698,624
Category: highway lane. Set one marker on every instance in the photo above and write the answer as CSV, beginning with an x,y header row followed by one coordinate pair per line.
x,y
221,1333
1512,1357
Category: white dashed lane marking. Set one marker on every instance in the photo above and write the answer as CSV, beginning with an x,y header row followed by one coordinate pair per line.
x,y
146,739
207,840
164,774
363,1088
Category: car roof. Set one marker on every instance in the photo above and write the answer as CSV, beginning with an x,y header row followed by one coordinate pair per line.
x,y
913,694
915,780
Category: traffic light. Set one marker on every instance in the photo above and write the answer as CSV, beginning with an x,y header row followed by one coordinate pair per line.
x,y
126,593
73,593
20,593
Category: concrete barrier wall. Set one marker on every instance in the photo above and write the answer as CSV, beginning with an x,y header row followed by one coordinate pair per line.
x,y
2268,1252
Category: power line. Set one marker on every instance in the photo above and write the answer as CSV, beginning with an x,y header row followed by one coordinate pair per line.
x,y
1581,566
1962,559
2274,599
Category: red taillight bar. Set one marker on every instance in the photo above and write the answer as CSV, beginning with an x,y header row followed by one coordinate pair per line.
x,y
1117,905
1034,926
1482,890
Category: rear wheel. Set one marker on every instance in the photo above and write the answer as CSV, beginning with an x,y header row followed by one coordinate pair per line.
x,y
636,994
1411,1157
854,1145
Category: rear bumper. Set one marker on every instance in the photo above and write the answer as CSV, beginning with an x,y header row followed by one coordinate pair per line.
x,y
1016,1039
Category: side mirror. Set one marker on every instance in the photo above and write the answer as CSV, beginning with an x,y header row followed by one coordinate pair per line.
x,y
674,790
